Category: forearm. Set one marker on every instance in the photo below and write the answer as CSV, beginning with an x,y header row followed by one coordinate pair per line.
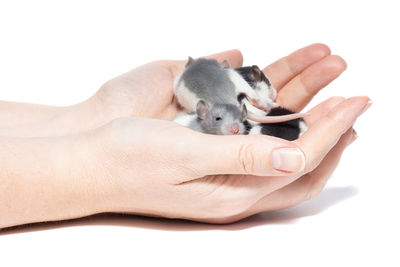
x,y
29,120
13,114
46,179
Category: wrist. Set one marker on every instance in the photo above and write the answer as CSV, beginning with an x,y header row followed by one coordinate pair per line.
x,y
113,169
87,171
92,164
74,119
77,118
46,179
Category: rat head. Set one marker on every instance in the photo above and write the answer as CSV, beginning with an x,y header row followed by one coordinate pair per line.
x,y
222,119
259,82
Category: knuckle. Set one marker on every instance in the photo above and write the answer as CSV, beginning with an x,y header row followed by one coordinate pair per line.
x,y
225,209
173,67
314,160
338,118
315,188
336,99
228,206
312,194
246,159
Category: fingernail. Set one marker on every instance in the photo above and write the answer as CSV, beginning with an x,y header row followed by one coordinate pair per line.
x,y
288,159
367,106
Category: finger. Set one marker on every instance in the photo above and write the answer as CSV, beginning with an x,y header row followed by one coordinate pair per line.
x,y
306,187
247,155
283,70
241,154
287,196
316,180
265,185
234,57
297,93
322,109
318,140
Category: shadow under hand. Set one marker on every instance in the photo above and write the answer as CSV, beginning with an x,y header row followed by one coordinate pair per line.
x,y
328,198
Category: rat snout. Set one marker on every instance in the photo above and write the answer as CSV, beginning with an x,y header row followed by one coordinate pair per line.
x,y
235,128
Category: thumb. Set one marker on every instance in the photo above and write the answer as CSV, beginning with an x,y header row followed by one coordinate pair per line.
x,y
245,154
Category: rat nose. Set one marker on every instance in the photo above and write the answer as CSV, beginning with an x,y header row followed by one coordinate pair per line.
x,y
235,128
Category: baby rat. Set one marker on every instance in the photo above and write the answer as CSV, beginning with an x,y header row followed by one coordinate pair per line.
x,y
206,79
261,84
289,130
220,119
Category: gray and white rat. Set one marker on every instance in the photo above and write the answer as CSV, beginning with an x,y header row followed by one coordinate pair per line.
x,y
220,119
206,79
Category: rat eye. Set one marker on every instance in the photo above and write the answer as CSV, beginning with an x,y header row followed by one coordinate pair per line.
x,y
218,118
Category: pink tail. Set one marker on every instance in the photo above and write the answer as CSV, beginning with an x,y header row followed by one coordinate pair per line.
x,y
275,119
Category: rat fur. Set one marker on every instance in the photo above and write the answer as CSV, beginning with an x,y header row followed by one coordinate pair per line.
x,y
220,119
206,79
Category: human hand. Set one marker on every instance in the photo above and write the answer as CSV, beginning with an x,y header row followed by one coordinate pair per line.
x,y
147,91
297,78
246,185
159,168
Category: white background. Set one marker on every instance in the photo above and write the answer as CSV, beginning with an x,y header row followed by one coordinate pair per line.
x,y
60,54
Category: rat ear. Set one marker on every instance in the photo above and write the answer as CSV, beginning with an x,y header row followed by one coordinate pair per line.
x,y
243,110
256,73
225,64
189,62
202,109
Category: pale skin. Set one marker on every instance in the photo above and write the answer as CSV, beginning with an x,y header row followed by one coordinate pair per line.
x,y
98,156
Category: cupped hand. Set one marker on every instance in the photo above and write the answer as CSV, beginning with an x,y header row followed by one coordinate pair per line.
x,y
147,91
159,168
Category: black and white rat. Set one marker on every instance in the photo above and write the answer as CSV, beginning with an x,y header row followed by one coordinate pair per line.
x,y
220,119
260,83
289,130
206,79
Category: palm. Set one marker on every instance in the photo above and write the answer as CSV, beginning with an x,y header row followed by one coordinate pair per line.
x,y
143,92
278,192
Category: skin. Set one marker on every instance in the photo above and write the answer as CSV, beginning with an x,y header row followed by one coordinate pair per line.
x,y
104,158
